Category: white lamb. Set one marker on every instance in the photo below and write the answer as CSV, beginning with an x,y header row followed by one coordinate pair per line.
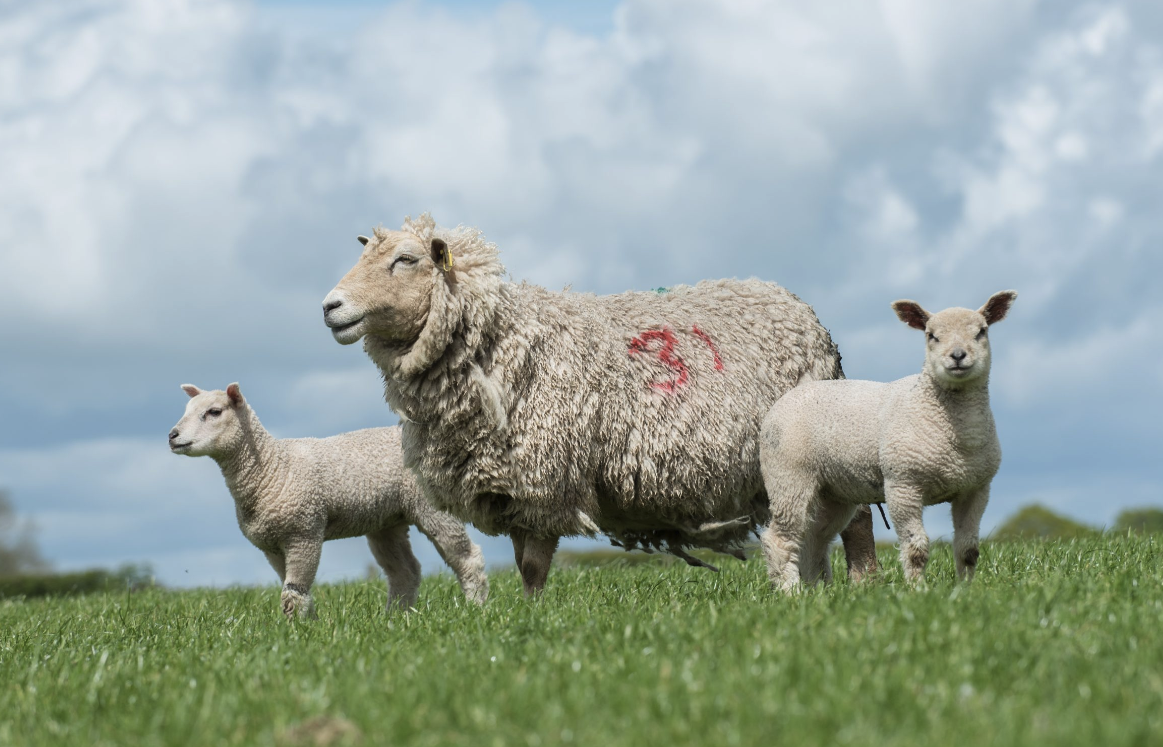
x,y
293,494
827,447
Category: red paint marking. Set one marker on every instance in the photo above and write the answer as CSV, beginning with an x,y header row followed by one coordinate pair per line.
x,y
711,344
666,355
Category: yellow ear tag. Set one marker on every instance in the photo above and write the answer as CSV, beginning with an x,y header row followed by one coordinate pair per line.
x,y
448,262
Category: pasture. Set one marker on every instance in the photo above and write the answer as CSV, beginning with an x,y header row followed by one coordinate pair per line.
x,y
1054,643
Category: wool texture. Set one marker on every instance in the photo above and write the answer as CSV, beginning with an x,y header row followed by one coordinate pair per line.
x,y
293,494
829,446
531,412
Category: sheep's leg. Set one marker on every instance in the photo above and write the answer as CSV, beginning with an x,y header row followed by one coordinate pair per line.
x,y
393,552
792,497
967,511
518,538
279,563
906,506
301,563
830,517
860,545
533,555
460,553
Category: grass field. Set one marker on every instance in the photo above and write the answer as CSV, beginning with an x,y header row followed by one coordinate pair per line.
x,y
1055,643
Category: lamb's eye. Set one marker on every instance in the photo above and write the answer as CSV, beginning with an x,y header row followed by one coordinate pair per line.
x,y
405,259
933,338
214,412
981,334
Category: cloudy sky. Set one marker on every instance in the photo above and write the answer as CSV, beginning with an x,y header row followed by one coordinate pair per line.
x,y
182,182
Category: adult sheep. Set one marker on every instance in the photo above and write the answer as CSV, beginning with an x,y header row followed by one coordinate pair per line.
x,y
544,414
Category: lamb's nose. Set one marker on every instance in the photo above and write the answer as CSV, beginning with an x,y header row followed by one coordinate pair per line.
x,y
958,354
329,306
174,434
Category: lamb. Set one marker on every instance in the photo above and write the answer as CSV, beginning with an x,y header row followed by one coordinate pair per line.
x,y
540,415
293,494
830,446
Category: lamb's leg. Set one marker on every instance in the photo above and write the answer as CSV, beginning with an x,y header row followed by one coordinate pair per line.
x,y
301,563
906,506
830,517
792,496
533,555
460,553
393,552
967,511
860,545
279,563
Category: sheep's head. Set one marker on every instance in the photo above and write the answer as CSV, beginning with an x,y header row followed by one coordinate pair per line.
x,y
388,293
212,425
957,340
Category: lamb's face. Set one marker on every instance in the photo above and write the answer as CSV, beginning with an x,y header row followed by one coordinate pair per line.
x,y
210,426
957,340
957,346
388,293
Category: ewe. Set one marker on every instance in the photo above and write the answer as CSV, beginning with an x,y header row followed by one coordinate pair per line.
x,y
292,494
830,446
540,414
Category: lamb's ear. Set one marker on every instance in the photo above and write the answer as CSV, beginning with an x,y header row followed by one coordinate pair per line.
x,y
998,306
191,390
911,313
235,394
441,256
362,239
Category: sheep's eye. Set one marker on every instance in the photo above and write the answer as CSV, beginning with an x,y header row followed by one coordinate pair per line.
x,y
406,259
933,337
981,334
214,412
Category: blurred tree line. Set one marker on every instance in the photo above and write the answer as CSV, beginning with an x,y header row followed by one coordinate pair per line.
x,y
18,552
25,573
1038,522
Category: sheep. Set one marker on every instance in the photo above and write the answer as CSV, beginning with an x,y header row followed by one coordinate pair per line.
x,y
544,414
293,494
829,446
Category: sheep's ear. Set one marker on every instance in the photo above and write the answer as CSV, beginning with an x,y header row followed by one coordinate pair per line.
x,y
235,394
362,239
191,390
998,306
911,313
441,256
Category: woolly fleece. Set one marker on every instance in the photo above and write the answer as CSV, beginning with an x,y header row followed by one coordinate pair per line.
x,y
293,494
829,446
542,414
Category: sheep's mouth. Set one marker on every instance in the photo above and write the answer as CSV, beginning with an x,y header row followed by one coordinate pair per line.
x,y
958,370
345,334
180,447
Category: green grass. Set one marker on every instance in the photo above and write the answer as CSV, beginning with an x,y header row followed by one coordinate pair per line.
x,y
1055,643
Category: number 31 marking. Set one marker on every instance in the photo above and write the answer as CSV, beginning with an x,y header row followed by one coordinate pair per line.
x,y
670,359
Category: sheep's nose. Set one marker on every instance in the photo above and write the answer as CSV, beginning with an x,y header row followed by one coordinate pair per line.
x,y
958,354
174,434
329,306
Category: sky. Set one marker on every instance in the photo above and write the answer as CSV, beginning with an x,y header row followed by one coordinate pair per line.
x,y
182,182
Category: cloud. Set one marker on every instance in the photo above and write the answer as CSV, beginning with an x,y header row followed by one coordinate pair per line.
x,y
184,182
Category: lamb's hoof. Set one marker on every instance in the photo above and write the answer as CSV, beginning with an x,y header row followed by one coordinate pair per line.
x,y
296,604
